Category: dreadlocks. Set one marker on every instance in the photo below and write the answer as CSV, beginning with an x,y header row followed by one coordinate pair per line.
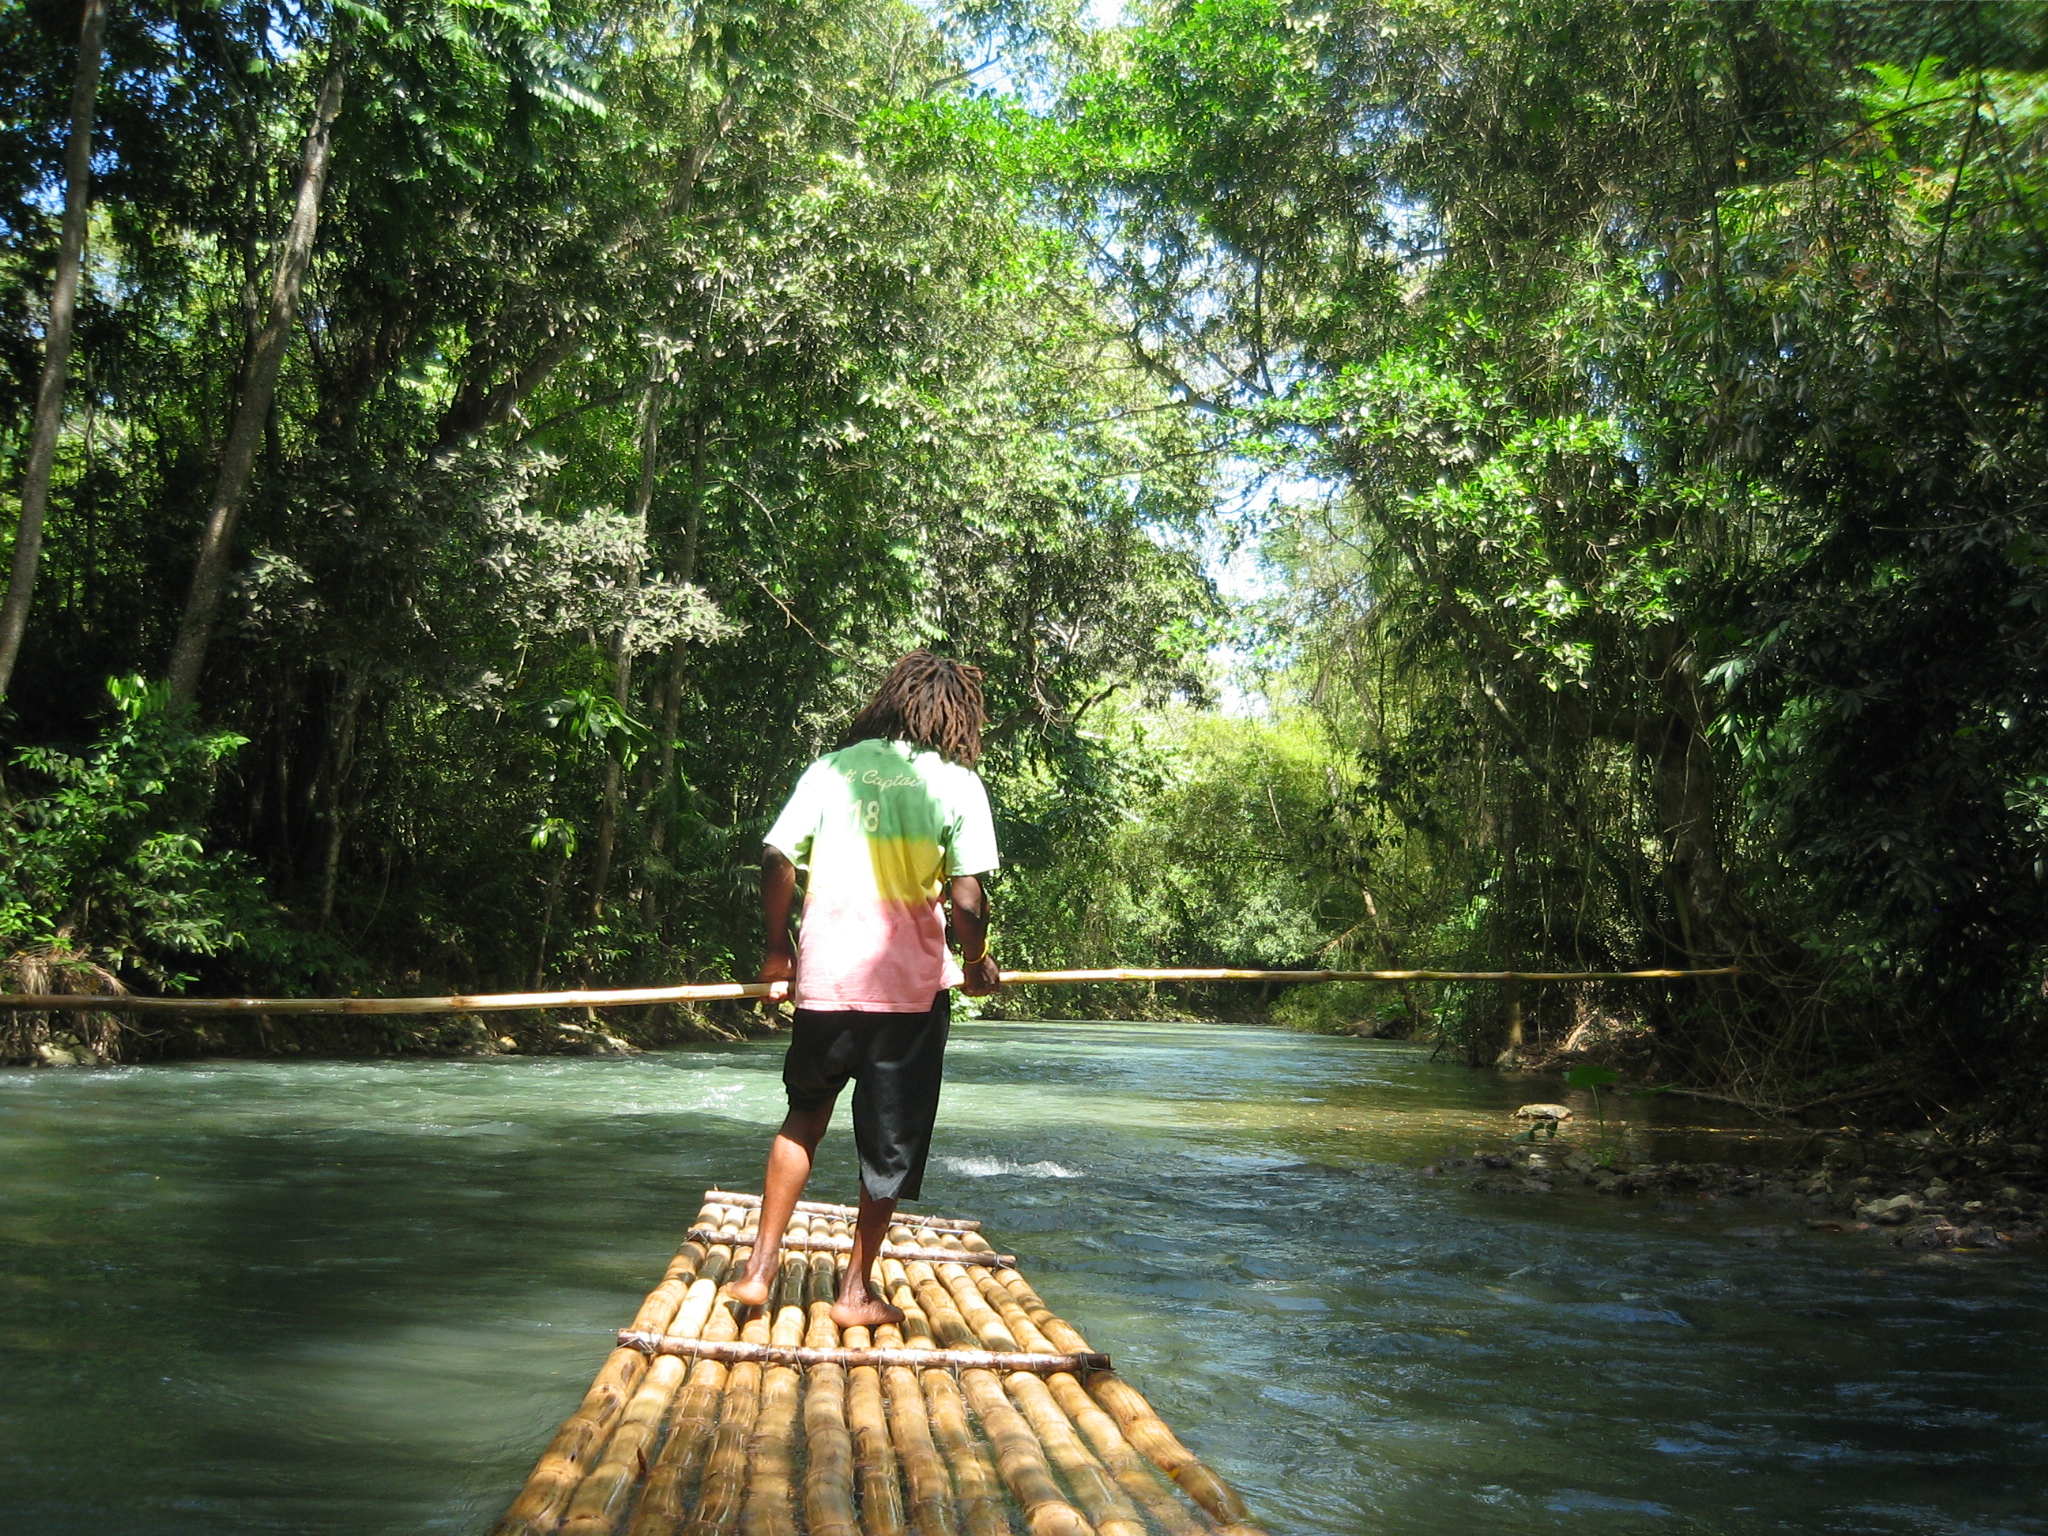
x,y
930,702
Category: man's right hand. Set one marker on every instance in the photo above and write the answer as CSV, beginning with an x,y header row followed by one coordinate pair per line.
x,y
778,967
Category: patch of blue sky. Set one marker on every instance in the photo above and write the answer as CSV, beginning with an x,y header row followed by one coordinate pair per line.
x,y
1255,648
1004,65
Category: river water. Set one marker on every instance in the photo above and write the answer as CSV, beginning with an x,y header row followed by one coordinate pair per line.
x,y
328,1297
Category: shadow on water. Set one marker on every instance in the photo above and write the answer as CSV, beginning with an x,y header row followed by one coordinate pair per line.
x,y
356,1296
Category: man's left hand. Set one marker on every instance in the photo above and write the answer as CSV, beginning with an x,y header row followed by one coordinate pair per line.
x,y
982,976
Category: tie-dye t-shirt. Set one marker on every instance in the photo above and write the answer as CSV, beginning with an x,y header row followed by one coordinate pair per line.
x,y
881,827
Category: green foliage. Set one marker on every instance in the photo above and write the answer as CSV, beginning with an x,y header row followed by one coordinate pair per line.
x,y
1661,570
1671,370
109,857
1208,842
663,373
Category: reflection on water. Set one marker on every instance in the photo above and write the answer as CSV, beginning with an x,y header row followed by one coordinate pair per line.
x,y
356,1296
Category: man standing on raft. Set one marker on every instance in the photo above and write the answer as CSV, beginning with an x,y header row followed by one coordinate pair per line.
x,y
890,828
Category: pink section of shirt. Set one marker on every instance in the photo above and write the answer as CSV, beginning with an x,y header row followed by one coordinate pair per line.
x,y
873,957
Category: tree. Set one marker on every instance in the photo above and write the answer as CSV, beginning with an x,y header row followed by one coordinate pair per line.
x,y
49,407
259,387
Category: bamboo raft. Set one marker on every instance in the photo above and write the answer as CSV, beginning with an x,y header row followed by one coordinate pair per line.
x,y
982,1415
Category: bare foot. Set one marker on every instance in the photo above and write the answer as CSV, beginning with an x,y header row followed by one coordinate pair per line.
x,y
748,1292
866,1312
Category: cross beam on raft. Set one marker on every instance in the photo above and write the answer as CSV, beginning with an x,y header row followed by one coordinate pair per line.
x,y
730,991
927,1428
889,1250
825,1208
915,1359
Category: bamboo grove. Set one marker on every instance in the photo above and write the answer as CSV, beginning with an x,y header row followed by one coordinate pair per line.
x,y
501,442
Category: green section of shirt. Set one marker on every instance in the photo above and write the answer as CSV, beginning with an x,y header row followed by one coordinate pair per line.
x,y
885,792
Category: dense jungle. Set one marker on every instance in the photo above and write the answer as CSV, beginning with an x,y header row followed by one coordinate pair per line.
x,y
1552,484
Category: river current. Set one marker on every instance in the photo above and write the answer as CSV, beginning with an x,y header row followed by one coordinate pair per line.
x,y
356,1296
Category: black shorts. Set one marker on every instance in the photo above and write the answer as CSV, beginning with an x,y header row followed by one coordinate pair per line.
x,y
897,1060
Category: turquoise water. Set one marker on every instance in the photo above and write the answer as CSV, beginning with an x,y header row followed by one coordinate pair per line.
x,y
315,1297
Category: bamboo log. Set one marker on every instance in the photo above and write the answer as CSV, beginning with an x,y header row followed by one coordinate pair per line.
x,y
979,1487
1093,1489
664,1502
601,1498
631,997
794,1242
828,1443
1134,1416
723,1491
1134,1474
1019,1457
929,1489
576,1445
874,1453
770,1508
848,1212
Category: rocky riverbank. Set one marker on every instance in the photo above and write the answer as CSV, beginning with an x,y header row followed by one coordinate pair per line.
x,y
1915,1190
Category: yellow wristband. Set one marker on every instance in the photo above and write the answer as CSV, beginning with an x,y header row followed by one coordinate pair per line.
x,y
977,959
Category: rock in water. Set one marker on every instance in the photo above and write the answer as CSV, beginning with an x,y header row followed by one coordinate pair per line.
x,y
1550,1112
1890,1212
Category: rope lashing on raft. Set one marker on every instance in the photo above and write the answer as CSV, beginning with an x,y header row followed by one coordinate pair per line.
x,y
728,991
904,1251
735,1352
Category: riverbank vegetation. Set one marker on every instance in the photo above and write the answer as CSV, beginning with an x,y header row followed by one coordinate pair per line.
x,y
502,443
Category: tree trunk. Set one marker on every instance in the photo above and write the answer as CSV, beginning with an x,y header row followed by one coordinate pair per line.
x,y
622,656
1390,957
1507,919
42,452
678,664
608,812
547,920
343,760
1683,790
259,387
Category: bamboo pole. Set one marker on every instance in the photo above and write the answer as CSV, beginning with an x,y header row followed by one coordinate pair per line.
x,y
1135,1417
541,1503
848,1212
664,1503
483,1002
891,1250
979,1489
1176,973
499,1002
828,1443
770,1508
